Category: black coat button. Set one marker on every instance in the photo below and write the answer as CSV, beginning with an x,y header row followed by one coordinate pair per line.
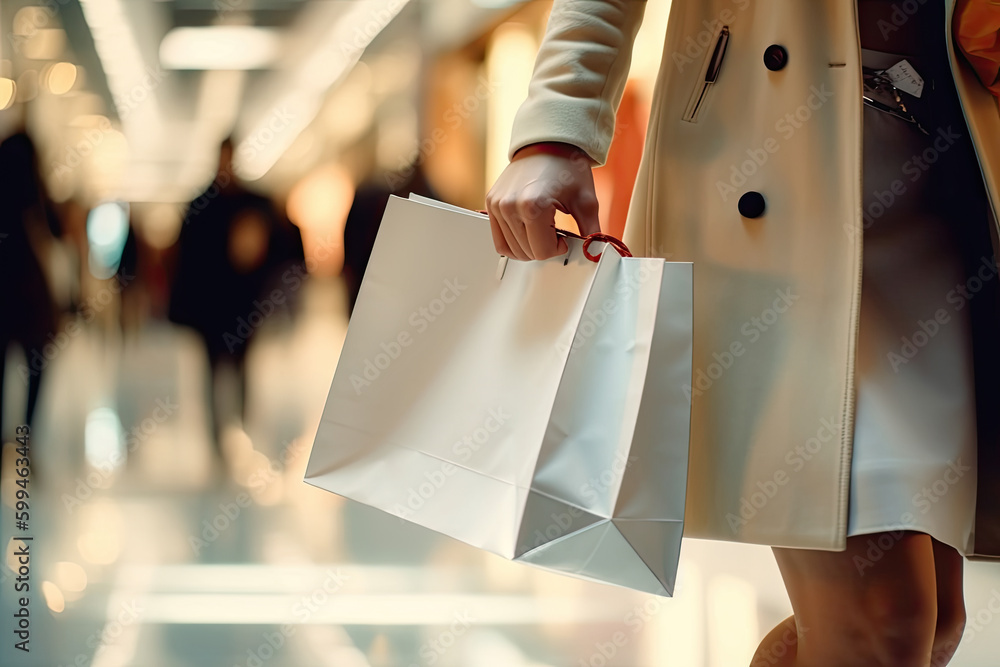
x,y
751,205
775,57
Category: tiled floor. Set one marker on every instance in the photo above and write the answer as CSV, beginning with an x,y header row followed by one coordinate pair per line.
x,y
169,562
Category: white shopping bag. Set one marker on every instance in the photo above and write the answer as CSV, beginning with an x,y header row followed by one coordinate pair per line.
x,y
532,409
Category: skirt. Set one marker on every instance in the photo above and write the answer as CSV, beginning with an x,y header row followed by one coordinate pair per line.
x,y
914,456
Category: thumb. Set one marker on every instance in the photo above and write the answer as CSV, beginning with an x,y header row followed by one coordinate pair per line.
x,y
561,246
584,211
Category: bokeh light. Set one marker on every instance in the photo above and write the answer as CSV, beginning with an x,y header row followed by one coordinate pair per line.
x,y
69,576
104,442
319,204
99,522
107,229
53,597
8,91
60,77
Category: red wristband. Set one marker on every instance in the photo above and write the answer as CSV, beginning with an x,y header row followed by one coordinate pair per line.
x,y
553,148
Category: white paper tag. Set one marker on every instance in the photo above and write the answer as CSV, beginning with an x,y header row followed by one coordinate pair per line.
x,y
501,267
904,77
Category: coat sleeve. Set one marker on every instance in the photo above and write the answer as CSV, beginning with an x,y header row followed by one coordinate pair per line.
x,y
579,75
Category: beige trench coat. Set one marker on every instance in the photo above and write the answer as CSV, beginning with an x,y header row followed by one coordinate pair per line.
x,y
776,297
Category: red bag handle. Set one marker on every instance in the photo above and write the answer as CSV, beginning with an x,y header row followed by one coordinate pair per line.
x,y
613,241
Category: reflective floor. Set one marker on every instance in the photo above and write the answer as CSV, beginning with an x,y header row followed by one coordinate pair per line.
x,y
172,560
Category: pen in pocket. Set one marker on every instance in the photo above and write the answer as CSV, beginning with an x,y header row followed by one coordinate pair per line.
x,y
712,69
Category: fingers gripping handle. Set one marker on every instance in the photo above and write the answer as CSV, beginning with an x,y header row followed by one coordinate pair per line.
x,y
613,241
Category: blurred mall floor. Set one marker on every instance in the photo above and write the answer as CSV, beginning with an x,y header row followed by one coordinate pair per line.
x,y
168,561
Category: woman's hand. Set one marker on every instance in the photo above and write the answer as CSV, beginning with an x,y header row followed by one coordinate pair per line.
x,y
541,179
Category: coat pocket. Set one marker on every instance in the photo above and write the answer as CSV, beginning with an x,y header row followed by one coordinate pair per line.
x,y
708,75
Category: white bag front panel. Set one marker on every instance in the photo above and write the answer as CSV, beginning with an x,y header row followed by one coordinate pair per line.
x,y
473,386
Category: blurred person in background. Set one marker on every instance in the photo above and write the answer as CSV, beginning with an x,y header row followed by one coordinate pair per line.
x,y
73,215
365,216
81,288
142,290
231,250
27,310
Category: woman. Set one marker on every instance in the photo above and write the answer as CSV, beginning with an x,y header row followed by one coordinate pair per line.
x,y
843,403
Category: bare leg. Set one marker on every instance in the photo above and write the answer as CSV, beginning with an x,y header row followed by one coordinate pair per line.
x,y
948,564
872,605
779,647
